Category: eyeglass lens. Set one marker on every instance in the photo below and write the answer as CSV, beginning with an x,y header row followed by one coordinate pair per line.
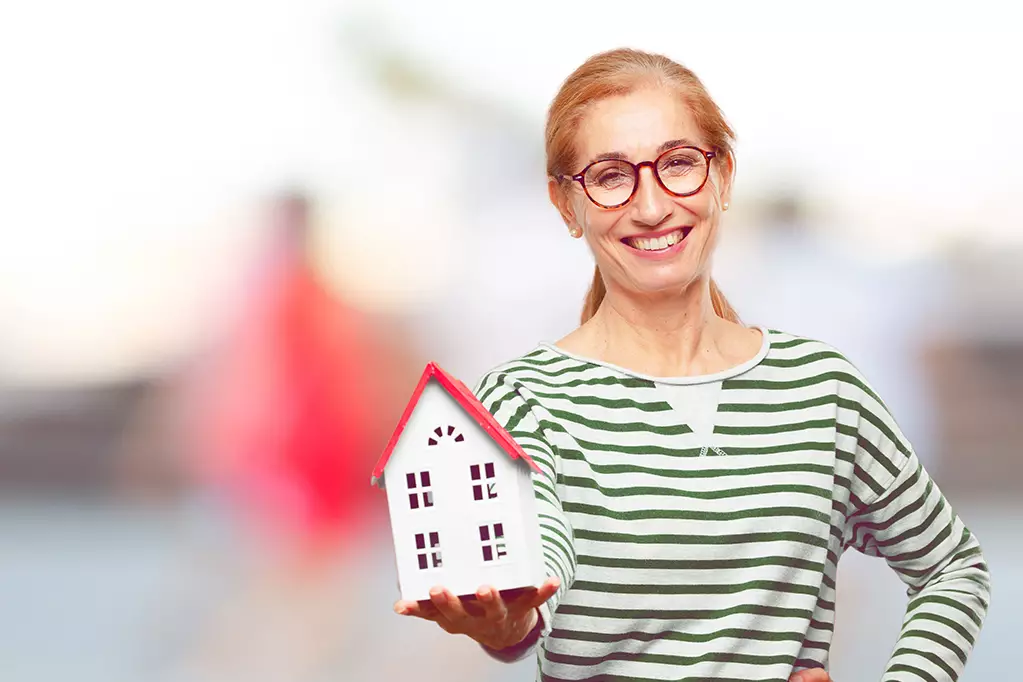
x,y
682,171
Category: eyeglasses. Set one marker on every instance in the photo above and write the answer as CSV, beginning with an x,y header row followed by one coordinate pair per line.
x,y
611,183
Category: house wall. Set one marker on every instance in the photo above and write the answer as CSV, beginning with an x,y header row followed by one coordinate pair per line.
x,y
530,525
455,515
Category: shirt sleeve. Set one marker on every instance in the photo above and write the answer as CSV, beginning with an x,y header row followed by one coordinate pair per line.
x,y
897,512
498,394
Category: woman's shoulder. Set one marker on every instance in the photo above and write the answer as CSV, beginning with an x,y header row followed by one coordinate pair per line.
x,y
539,361
806,357
796,346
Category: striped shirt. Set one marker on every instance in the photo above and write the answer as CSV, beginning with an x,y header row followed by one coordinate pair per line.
x,y
696,523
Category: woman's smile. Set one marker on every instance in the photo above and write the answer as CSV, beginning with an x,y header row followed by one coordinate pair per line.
x,y
658,245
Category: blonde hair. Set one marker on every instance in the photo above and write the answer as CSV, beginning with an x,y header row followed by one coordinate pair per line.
x,y
619,72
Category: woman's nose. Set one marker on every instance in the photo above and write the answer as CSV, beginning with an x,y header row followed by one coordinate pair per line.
x,y
651,203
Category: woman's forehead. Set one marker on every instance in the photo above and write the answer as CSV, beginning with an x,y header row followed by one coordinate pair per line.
x,y
635,124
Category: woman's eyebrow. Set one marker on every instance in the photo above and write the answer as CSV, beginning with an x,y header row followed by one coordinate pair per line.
x,y
621,156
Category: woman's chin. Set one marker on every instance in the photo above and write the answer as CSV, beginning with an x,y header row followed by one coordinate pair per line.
x,y
667,287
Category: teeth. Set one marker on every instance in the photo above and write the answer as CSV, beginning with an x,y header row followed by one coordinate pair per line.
x,y
646,244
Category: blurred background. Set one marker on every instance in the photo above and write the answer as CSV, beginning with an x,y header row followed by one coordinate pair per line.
x,y
220,278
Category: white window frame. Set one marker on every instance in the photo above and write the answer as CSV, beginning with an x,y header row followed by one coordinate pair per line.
x,y
430,552
498,546
483,481
421,496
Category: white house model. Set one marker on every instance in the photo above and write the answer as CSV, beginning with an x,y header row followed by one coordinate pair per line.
x,y
459,494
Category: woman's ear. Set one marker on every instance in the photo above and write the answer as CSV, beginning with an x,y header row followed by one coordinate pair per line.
x,y
562,202
726,171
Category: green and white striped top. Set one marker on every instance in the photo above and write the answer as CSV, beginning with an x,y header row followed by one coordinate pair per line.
x,y
696,523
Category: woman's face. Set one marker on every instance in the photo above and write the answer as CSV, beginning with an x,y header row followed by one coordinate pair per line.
x,y
641,125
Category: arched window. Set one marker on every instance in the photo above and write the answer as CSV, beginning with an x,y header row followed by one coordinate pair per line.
x,y
442,432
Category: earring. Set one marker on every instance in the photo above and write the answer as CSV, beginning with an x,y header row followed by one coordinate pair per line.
x,y
575,232
725,206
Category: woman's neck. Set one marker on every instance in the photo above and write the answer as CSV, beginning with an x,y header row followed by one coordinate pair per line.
x,y
678,335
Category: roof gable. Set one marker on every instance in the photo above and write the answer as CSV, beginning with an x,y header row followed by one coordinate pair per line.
x,y
468,402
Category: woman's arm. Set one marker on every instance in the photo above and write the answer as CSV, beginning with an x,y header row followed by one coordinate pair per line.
x,y
497,393
897,512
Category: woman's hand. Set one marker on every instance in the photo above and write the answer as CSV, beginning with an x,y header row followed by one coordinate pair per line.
x,y
811,675
494,620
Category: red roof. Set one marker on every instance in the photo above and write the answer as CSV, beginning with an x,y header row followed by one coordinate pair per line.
x,y
461,393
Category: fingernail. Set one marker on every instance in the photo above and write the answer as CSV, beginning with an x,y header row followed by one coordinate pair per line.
x,y
486,594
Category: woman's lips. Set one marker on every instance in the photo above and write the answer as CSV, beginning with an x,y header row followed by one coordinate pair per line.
x,y
660,254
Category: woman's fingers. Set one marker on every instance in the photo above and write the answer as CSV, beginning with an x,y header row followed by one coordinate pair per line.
x,y
405,608
545,592
424,610
524,600
449,606
535,596
810,675
494,608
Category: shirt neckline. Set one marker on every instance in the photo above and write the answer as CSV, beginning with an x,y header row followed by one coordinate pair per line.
x,y
728,373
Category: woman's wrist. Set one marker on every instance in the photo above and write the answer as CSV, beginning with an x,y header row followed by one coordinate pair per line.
x,y
513,651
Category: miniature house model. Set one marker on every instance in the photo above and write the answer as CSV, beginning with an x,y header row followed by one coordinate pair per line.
x,y
459,494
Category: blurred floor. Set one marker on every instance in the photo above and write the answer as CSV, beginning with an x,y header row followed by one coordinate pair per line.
x,y
98,592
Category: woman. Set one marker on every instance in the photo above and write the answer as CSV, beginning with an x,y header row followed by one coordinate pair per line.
x,y
701,478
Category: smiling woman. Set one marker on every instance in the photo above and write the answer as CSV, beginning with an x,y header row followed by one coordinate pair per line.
x,y
700,479
664,100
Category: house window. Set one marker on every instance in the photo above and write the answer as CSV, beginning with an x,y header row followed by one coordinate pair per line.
x,y
429,557
492,542
445,432
421,495
484,486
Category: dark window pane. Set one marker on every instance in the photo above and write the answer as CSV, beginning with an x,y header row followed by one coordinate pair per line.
x,y
422,561
459,438
475,471
477,492
451,429
411,480
425,478
434,539
436,560
488,554
498,530
428,498
489,466
484,533
420,541
413,500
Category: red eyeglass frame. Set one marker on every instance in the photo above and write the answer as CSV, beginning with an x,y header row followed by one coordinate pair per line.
x,y
580,177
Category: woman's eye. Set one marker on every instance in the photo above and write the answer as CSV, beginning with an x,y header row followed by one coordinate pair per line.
x,y
608,178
